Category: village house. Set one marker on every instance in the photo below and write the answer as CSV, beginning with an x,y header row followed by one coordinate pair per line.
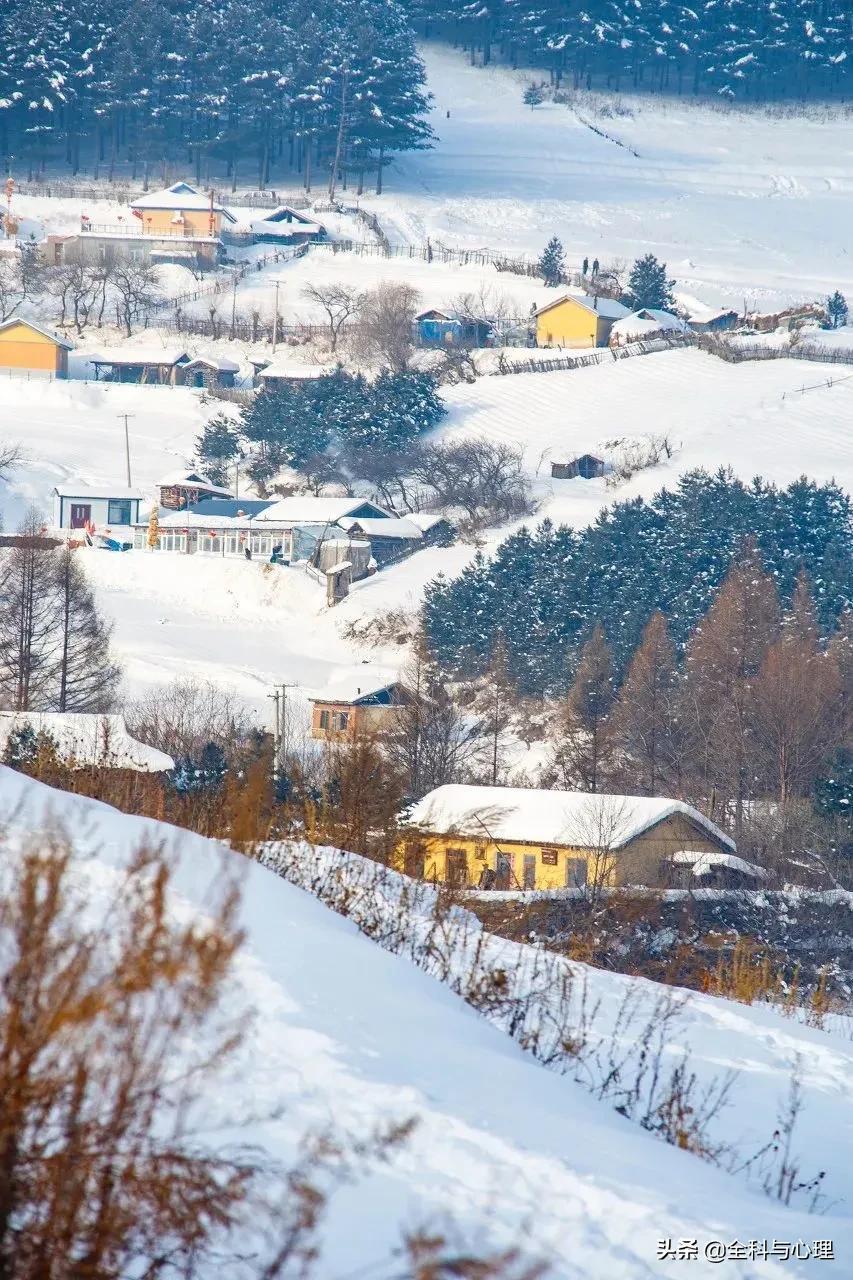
x,y
183,488
390,539
82,739
434,328
576,320
209,371
89,507
354,702
28,348
524,838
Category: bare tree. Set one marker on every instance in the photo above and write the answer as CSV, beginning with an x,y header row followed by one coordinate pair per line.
x,y
485,478
21,280
137,291
28,633
485,307
11,456
385,334
76,288
181,718
86,675
341,302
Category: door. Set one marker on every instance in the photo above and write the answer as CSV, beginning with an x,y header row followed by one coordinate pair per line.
x,y
530,871
81,514
503,868
457,868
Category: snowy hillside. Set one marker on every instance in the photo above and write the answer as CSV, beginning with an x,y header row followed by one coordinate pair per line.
x,y
735,202
349,1036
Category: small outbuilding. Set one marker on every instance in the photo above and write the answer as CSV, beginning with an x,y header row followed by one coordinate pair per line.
x,y
587,466
209,371
181,489
31,349
286,225
355,701
648,322
158,366
434,328
91,507
390,539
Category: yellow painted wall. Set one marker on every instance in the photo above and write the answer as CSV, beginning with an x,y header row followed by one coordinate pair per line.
x,y
196,222
24,348
568,324
637,863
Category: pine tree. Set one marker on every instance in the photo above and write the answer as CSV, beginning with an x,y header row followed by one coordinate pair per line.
x,y
836,309
216,447
552,263
645,721
648,285
534,95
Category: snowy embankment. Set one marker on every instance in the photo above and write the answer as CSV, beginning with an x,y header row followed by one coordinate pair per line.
x,y
349,1036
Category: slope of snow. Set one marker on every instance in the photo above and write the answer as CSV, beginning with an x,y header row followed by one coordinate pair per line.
x,y
350,1036
734,201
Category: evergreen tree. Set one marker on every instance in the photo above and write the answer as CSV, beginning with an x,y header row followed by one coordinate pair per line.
x,y
205,773
648,285
552,263
217,447
28,630
534,95
836,309
21,750
86,677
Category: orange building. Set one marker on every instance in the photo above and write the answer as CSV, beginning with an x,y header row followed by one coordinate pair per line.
x,y
354,702
181,210
27,347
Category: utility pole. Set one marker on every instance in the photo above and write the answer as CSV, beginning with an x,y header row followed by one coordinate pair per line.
x,y
279,700
125,416
275,320
234,305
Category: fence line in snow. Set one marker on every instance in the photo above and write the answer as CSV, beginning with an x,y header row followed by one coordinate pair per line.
x,y
601,355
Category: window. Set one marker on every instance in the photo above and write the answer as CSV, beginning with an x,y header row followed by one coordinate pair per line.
x,y
118,511
340,720
576,873
325,719
529,881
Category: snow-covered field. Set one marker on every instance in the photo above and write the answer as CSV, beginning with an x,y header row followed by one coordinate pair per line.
x,y
348,1037
737,203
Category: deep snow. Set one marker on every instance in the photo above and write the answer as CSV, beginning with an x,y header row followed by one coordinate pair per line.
x,y
349,1036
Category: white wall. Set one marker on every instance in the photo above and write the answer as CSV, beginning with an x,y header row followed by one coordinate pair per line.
x,y
99,516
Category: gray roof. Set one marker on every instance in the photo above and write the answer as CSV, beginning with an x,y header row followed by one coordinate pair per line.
x,y
605,307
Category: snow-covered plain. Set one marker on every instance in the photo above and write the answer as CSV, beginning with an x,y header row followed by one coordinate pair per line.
x,y
348,1037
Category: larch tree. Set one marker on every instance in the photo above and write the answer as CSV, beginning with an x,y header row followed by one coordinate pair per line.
x,y
28,632
645,715
495,703
724,658
582,754
87,678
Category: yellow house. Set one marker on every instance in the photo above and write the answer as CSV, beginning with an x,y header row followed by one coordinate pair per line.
x,y
523,838
181,210
576,320
29,347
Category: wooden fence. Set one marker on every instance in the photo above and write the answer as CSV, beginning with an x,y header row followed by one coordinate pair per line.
x,y
601,355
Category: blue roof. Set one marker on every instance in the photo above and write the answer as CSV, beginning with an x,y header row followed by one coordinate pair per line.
x,y
228,506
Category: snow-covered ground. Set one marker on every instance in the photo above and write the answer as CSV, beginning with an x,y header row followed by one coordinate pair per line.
x,y
249,626
348,1037
739,204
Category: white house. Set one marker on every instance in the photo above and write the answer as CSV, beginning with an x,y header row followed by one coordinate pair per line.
x,y
77,505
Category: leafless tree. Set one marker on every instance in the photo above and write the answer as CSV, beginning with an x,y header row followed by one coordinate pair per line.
x,y
483,477
87,678
340,301
11,456
28,633
181,718
385,333
22,279
136,289
76,287
485,306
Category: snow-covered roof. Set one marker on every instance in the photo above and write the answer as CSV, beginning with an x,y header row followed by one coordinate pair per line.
x,y
39,328
279,367
426,520
310,510
202,520
222,363
285,221
647,320
70,489
573,818
180,195
83,738
705,863
381,528
140,355
191,479
349,684
605,307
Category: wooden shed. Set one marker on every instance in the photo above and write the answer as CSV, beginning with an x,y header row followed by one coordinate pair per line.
x,y
587,466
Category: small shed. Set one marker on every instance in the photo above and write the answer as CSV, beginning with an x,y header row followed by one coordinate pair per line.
x,y
158,366
181,489
286,225
390,540
81,506
587,466
209,371
30,348
434,328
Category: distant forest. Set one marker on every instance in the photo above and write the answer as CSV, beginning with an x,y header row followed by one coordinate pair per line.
x,y
746,49
219,86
